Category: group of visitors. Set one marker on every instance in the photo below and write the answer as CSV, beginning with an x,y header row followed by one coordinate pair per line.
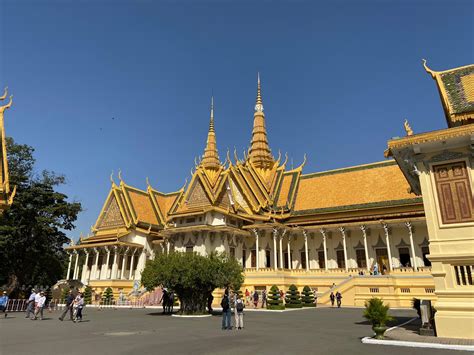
x,y
35,305
336,297
167,300
255,297
239,306
74,306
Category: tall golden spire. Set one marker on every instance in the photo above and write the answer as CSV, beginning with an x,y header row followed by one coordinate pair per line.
x,y
260,154
210,158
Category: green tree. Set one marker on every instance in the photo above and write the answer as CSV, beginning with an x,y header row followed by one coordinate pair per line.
x,y
293,299
307,297
192,277
88,295
108,295
274,300
64,294
32,230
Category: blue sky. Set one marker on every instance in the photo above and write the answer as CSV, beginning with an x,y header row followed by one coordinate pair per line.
x,y
338,78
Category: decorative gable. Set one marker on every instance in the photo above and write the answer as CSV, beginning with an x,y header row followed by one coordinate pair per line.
x,y
197,196
111,216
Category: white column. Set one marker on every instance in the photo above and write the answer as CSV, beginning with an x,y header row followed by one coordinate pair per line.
x,y
69,266
281,248
289,253
387,241
364,234
76,268
410,232
275,235
343,233
324,233
141,264
107,264
306,249
257,249
96,265
85,267
124,263
167,247
130,276
113,274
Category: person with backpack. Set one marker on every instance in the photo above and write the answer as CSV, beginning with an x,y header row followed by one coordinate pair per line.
x,y
339,299
264,298
239,313
332,298
226,311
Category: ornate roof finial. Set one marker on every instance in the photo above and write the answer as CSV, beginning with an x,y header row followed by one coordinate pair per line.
x,y
407,127
428,70
120,176
259,102
5,93
210,157
112,178
148,183
3,108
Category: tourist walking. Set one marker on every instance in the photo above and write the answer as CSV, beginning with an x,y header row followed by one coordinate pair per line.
x,y
4,303
239,313
170,302
226,311
78,306
164,300
255,299
247,297
264,298
30,307
210,298
332,298
339,299
40,302
69,303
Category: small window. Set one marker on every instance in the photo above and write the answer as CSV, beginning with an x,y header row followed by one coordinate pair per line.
x,y
267,258
361,260
190,220
426,251
189,249
303,260
253,258
321,262
285,260
341,263
244,258
404,257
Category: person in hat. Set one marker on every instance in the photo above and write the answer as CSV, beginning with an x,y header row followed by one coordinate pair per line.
x,y
30,308
68,308
4,303
39,305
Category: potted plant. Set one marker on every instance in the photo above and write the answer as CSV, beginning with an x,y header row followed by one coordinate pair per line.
x,y
377,313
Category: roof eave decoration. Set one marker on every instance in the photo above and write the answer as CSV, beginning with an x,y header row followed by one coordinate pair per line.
x,y
456,89
6,195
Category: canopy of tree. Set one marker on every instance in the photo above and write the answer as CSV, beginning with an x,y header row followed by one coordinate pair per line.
x,y
32,229
192,277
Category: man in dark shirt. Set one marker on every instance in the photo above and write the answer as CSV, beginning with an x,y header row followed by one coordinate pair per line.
x,y
68,308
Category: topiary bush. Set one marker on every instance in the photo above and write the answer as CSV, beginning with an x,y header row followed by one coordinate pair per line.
x,y
377,314
274,300
293,299
108,296
88,295
307,297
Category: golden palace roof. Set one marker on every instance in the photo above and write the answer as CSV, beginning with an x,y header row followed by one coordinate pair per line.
x,y
456,88
6,194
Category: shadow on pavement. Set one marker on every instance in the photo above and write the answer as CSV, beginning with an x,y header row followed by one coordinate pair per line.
x,y
392,323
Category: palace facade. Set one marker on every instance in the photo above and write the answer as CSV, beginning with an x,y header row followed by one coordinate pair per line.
x,y
328,229
439,166
6,193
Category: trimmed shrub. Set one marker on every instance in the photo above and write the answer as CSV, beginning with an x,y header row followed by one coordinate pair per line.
x,y
293,299
307,297
108,296
88,295
273,299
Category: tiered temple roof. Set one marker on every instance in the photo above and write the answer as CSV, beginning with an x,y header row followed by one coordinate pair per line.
x,y
259,189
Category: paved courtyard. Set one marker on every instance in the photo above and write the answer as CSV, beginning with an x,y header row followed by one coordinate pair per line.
x,y
146,331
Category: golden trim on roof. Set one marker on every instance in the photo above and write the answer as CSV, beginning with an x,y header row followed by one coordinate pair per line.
x,y
456,89
6,195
